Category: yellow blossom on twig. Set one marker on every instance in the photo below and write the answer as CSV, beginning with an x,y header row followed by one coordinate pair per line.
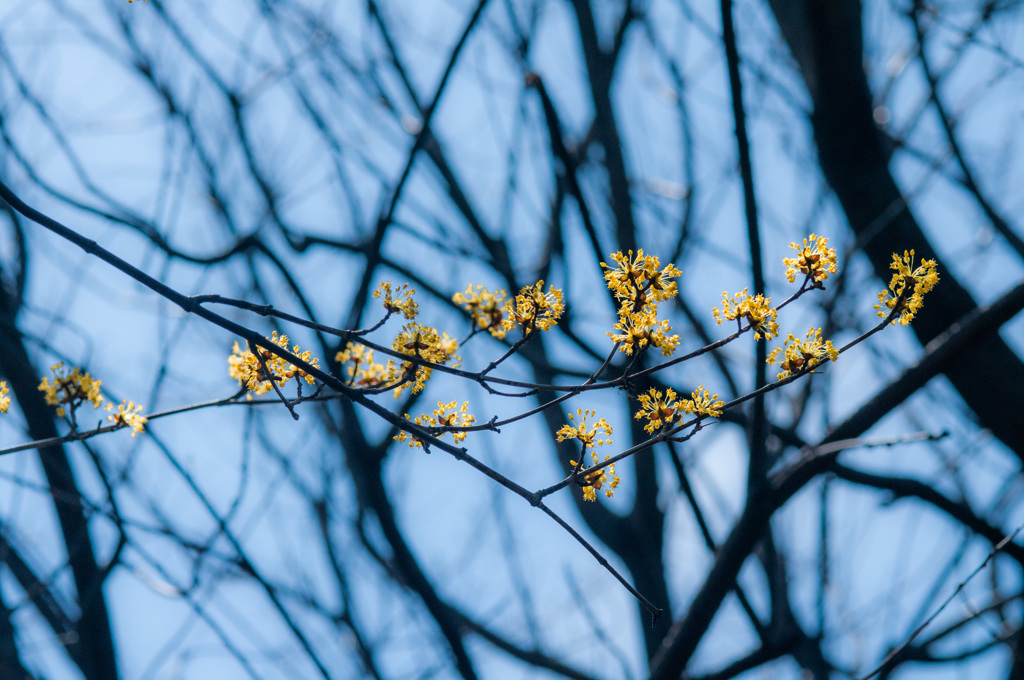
x,y
638,329
587,434
639,280
656,410
803,355
129,414
364,371
534,309
639,284
756,309
398,300
814,259
257,372
584,431
445,415
70,389
5,401
703,403
426,343
598,479
900,294
485,307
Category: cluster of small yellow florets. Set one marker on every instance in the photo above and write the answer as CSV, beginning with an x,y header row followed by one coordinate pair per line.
x,y
485,308
444,416
423,342
400,300
588,434
657,410
71,389
907,288
815,260
259,370
5,401
639,284
802,356
533,309
129,414
364,371
756,309
660,411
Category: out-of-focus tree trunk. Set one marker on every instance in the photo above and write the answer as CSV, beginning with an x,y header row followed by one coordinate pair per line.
x,y
827,42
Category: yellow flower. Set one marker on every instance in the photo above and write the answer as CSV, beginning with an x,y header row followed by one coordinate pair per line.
x,y
364,371
703,404
658,411
426,343
445,415
293,371
639,280
639,284
803,355
485,308
900,294
397,300
815,260
588,434
5,401
638,329
597,479
128,415
245,366
585,432
756,309
534,309
71,389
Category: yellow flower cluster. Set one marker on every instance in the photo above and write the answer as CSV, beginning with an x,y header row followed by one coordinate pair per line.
x,y
485,307
756,309
638,280
445,415
129,414
598,479
815,260
639,284
801,356
424,342
364,371
661,411
703,403
587,433
5,401
70,389
638,329
257,372
900,294
398,300
657,410
534,309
